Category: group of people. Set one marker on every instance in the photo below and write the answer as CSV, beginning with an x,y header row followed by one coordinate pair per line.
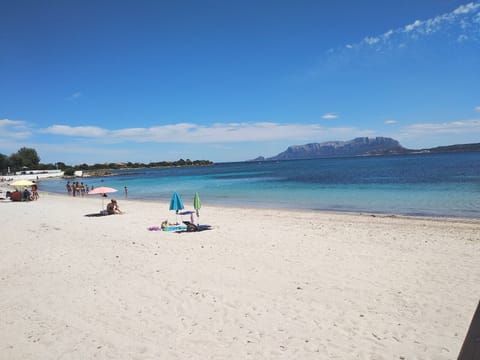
x,y
77,188
25,195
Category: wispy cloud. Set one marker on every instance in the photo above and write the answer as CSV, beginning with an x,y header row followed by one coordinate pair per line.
x,y
14,129
477,109
434,134
223,133
390,122
77,131
422,135
454,127
329,116
463,23
74,96
215,133
14,134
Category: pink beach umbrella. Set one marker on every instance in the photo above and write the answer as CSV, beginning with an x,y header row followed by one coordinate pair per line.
x,y
102,190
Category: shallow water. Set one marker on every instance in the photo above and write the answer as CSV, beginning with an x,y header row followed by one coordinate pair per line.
x,y
426,184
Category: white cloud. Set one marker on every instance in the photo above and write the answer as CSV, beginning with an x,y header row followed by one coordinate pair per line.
x,y
454,127
77,131
413,26
464,19
386,35
424,135
390,122
214,133
371,40
8,122
92,139
465,9
14,129
329,116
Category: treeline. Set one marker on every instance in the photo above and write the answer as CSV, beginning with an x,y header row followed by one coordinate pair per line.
x,y
455,148
27,159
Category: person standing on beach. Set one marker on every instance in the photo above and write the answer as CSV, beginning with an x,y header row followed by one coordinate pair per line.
x,y
35,195
126,192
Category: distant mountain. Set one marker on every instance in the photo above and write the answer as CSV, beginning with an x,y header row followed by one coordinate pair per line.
x,y
355,147
260,158
362,146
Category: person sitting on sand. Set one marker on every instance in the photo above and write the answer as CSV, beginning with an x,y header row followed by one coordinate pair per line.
x,y
166,224
27,196
112,208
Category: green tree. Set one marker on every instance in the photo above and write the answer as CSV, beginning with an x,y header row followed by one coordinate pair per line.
x,y
28,157
15,162
69,171
3,163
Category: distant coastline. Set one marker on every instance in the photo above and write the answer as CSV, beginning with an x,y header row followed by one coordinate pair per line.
x,y
360,147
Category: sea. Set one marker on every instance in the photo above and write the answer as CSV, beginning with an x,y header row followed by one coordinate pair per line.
x,y
439,185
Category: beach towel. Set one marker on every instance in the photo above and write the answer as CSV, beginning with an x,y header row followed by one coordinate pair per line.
x,y
169,228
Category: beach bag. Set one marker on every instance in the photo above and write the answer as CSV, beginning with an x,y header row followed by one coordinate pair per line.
x,y
190,227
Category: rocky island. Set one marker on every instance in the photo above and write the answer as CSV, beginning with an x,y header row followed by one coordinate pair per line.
x,y
361,146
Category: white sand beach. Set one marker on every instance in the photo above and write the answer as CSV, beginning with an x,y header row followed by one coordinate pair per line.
x,y
261,284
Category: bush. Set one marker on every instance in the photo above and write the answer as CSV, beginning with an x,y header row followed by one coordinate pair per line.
x,y
69,171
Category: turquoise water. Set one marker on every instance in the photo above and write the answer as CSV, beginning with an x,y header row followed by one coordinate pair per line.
x,y
427,184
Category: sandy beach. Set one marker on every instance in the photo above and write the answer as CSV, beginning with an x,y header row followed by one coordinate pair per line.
x,y
261,284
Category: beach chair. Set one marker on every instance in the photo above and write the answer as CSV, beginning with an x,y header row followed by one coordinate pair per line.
x,y
471,346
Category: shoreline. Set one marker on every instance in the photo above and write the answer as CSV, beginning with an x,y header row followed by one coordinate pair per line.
x,y
325,211
260,284
121,197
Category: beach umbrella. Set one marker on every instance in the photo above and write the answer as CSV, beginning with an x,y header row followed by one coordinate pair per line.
x,y
197,204
22,183
176,203
102,190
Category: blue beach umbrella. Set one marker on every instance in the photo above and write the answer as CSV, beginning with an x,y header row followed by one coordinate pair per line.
x,y
176,202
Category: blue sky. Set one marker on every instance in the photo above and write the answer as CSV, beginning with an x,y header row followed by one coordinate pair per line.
x,y
107,81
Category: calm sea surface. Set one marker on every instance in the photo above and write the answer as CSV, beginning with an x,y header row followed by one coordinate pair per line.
x,y
428,185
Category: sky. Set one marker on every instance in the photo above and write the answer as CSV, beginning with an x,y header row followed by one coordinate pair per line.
x,y
84,81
